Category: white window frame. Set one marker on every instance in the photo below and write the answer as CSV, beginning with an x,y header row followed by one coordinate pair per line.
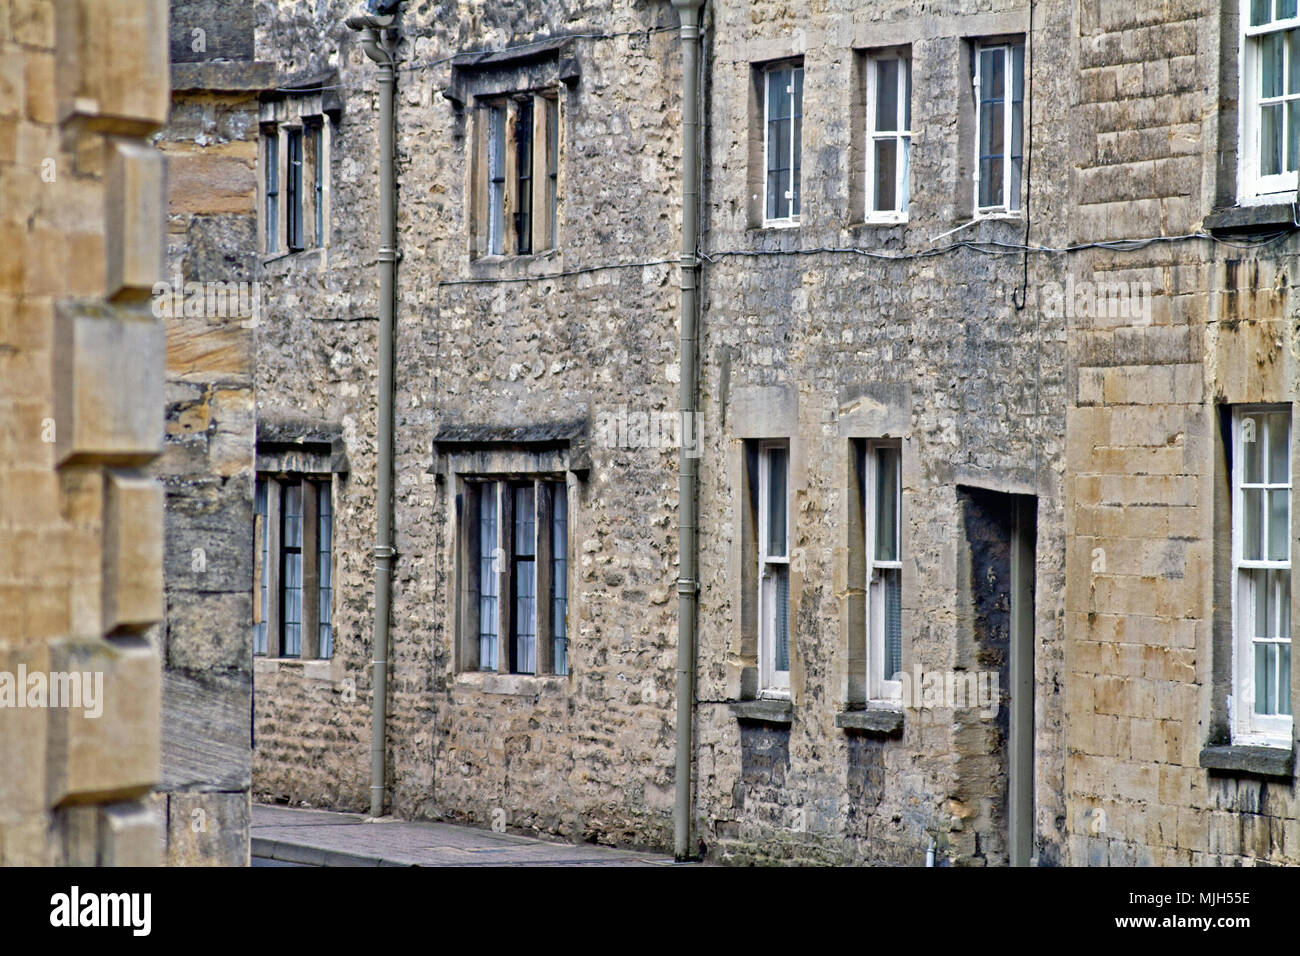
x,y
796,144
902,135
1248,726
772,682
1252,187
1005,208
878,686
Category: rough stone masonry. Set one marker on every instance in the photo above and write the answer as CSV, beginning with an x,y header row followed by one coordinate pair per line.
x,y
938,332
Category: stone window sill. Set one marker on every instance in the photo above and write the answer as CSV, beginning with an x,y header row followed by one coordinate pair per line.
x,y
1264,218
876,721
766,711
321,669
512,685
1246,761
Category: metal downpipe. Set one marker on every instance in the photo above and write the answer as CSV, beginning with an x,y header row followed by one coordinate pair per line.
x,y
376,51
687,581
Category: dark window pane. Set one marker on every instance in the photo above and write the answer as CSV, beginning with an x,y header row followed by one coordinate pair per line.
x,y
886,174
887,467
776,502
886,95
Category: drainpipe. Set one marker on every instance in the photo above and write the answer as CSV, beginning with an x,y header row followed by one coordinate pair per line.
x,y
370,27
687,585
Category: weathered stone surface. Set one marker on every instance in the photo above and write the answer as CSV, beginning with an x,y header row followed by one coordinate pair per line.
x,y
113,754
209,829
206,745
97,418
133,551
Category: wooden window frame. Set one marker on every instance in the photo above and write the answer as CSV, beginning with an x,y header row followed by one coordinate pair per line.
x,y
269,561
901,135
505,567
517,141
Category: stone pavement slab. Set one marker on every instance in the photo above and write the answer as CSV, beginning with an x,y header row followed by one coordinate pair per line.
x,y
327,838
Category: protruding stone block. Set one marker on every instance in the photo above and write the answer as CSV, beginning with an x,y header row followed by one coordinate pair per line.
x,y
98,85
108,386
130,834
135,219
133,552
107,748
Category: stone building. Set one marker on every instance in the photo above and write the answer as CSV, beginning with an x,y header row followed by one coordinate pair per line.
x,y
81,553
990,299
126,432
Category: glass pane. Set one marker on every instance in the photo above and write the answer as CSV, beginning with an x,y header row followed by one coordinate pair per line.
x,y
891,579
1285,9
1252,448
1292,135
781,624
1018,72
1270,140
1255,583
525,544
990,182
488,568
1252,541
886,504
1279,587
293,516
907,94
1279,452
797,144
1270,65
886,174
776,504
886,95
525,617
560,576
991,64
1284,678
905,179
1264,699
778,101
1279,513
1259,12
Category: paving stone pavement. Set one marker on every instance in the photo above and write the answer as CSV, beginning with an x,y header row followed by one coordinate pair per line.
x,y
283,835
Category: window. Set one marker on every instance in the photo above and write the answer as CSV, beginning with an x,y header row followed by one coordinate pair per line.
x,y
999,122
294,178
318,182
1270,117
518,141
773,569
293,531
552,165
889,124
524,177
519,557
1261,549
882,506
271,168
783,123
293,190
